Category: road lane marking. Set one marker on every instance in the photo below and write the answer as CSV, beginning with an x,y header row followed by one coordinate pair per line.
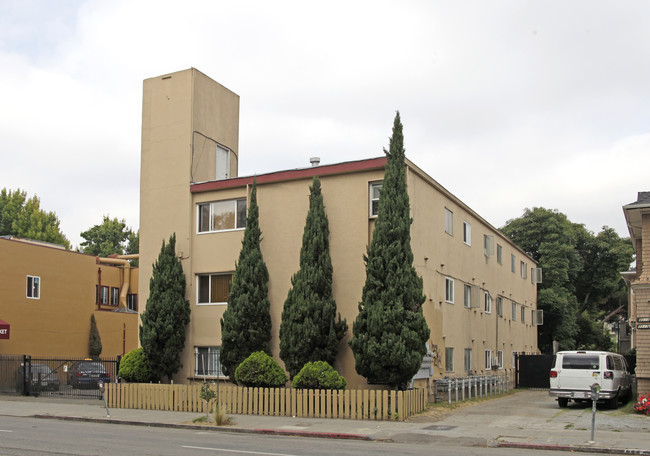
x,y
235,451
4,430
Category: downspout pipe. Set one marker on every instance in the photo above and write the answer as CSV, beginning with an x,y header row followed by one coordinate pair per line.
x,y
121,260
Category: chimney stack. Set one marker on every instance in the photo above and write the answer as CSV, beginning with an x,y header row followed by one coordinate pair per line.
x,y
315,161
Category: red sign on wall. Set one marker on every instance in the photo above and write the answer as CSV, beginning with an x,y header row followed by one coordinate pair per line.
x,y
4,330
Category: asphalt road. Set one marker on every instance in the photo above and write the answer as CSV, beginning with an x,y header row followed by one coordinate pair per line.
x,y
37,437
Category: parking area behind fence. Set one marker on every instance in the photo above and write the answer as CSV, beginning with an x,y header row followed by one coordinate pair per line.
x,y
64,376
472,387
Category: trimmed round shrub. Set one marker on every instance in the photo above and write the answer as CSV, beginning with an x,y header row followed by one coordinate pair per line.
x,y
260,370
134,367
318,375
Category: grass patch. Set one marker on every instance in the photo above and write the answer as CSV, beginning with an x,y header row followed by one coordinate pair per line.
x,y
200,419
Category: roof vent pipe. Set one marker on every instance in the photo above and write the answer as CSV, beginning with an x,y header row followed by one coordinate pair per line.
x,y
315,161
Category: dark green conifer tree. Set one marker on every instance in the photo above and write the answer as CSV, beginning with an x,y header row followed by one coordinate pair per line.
x,y
95,342
390,331
167,313
309,330
246,323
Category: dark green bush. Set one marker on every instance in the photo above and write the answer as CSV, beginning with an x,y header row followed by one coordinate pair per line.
x,y
318,375
134,367
260,370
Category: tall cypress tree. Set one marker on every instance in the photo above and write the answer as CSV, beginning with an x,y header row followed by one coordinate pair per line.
x,y
95,341
167,313
246,323
309,330
390,331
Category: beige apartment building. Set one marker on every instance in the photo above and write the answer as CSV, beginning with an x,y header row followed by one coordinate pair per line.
x,y
480,287
637,216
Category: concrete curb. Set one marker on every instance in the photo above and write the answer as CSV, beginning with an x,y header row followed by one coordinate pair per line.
x,y
572,448
322,435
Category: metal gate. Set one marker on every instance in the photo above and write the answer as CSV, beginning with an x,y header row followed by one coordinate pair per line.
x,y
59,377
532,371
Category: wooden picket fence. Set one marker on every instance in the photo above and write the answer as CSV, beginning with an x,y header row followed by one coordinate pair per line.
x,y
348,404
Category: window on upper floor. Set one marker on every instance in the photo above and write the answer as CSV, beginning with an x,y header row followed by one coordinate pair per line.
x,y
488,246
468,359
467,296
449,290
33,287
488,359
222,215
374,192
514,311
103,294
500,306
499,254
467,233
523,314
524,269
132,302
223,162
513,263
449,222
115,296
213,288
500,359
487,301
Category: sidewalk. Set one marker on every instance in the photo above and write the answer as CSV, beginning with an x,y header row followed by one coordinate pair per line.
x,y
526,419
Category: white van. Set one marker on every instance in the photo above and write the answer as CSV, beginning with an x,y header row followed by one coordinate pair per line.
x,y
574,372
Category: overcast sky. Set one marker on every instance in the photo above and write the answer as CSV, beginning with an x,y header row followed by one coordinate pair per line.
x,y
508,104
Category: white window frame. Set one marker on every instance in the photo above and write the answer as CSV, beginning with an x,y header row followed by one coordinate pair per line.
x,y
104,294
449,290
467,296
467,233
132,302
488,359
449,359
488,245
500,359
487,302
449,222
499,306
513,263
214,369
524,269
33,290
371,197
115,296
240,219
222,152
209,276
500,254
514,311
523,314
468,360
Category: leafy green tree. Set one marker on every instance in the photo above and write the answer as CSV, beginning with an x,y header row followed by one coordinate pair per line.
x,y
581,283
112,236
167,313
133,246
309,330
23,217
95,342
260,370
390,331
134,367
246,323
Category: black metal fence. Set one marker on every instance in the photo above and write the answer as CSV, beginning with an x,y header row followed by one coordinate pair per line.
x,y
63,377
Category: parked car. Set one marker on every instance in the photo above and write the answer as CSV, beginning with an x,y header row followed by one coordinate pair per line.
x,y
42,378
574,372
88,374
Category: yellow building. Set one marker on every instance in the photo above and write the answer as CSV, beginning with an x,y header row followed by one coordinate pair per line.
x,y
48,294
637,216
480,287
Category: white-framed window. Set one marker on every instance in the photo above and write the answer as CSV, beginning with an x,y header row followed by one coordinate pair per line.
x,y
499,254
514,359
467,233
103,294
33,287
115,296
374,192
514,311
524,269
207,362
449,290
523,314
500,359
488,359
132,302
467,296
221,215
513,263
223,163
487,301
499,306
449,222
488,245
468,359
449,359
213,288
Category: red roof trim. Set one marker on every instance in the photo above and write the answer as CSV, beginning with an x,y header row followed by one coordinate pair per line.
x,y
294,174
